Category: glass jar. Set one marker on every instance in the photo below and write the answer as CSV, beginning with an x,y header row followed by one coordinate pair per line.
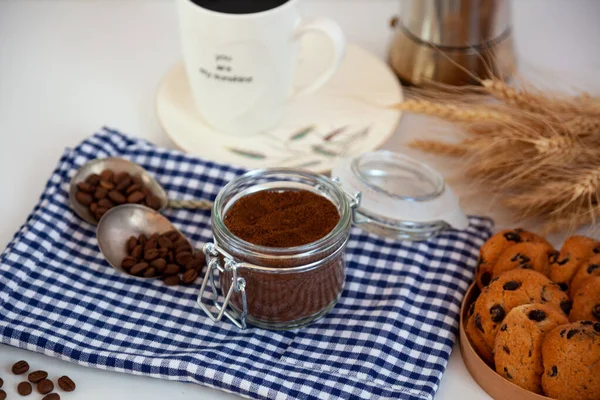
x,y
275,288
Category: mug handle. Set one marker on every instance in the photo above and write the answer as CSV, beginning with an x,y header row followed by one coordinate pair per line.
x,y
334,33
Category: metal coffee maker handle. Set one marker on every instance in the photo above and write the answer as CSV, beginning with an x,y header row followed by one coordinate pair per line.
x,y
452,41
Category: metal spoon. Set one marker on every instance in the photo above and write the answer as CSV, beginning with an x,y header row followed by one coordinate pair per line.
x,y
122,222
121,165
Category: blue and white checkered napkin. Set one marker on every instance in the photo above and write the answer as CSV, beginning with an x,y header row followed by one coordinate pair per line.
x,y
389,337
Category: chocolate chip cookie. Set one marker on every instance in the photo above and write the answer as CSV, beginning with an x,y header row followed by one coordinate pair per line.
x,y
512,289
575,251
518,345
586,303
586,270
491,250
476,340
526,255
571,358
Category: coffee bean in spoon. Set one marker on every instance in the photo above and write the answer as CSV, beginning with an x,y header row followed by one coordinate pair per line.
x,y
24,388
139,268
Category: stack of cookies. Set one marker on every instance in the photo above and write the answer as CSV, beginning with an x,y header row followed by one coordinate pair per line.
x,y
537,319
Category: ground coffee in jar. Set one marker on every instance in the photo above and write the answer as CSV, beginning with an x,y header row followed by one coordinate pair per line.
x,y
281,234
282,219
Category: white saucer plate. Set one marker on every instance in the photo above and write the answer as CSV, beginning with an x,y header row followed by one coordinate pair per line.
x,y
348,116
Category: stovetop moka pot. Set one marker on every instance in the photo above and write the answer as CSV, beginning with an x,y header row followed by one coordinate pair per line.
x,y
451,41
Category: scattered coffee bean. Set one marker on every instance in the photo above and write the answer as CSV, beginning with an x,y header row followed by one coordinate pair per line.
x,y
2,395
52,396
20,367
24,388
45,386
66,384
172,280
138,269
37,376
1,382
189,276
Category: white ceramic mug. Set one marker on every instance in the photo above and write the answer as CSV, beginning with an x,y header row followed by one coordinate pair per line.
x,y
241,67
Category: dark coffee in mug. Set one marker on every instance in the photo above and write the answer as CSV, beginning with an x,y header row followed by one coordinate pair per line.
x,y
239,6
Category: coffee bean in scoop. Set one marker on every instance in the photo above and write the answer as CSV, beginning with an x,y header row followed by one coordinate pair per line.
x,y
164,255
101,192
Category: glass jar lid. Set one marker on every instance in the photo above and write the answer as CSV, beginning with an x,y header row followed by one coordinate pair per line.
x,y
401,197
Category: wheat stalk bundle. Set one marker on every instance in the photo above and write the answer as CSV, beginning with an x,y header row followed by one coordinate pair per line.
x,y
538,152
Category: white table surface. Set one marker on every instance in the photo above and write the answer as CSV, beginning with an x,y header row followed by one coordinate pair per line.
x,y
68,67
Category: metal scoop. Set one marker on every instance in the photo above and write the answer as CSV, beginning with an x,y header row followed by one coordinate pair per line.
x,y
121,165
122,222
